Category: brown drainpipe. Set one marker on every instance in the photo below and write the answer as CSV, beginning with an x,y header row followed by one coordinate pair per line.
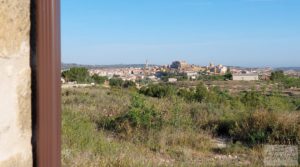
x,y
46,65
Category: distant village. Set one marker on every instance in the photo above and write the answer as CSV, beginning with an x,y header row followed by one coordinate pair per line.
x,y
183,68
191,71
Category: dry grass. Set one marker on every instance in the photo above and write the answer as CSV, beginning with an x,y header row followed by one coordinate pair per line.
x,y
184,139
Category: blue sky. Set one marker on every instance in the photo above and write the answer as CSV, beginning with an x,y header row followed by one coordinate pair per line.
x,y
230,32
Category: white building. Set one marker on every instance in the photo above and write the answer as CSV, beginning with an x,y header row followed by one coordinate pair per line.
x,y
172,80
245,77
191,74
223,70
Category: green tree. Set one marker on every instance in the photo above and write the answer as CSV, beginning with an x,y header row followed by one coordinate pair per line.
x,y
99,79
228,76
129,84
277,76
291,82
286,81
187,94
116,82
78,74
157,90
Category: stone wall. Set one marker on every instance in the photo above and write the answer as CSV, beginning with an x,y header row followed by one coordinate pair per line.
x,y
15,84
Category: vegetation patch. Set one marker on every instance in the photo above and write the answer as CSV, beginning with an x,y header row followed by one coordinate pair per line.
x,y
127,127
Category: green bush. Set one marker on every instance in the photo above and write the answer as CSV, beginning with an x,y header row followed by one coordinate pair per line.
x,y
129,84
228,76
286,81
201,92
262,127
278,103
253,100
116,82
289,82
158,90
205,77
139,116
277,76
78,74
187,94
99,79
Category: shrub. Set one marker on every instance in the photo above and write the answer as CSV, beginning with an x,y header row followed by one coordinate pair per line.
x,y
129,84
116,82
262,127
277,76
157,90
253,100
201,92
205,77
228,76
139,116
78,74
278,103
99,79
287,82
187,94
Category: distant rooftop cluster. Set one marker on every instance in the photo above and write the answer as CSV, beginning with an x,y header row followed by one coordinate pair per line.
x,y
191,71
182,69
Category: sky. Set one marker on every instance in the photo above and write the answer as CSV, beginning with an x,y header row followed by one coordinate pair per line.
x,y
251,33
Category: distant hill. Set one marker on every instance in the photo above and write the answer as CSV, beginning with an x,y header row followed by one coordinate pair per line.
x,y
65,66
288,68
275,68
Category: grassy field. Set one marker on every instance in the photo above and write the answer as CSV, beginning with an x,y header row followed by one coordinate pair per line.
x,y
238,86
121,127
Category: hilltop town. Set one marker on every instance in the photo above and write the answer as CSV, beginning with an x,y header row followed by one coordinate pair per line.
x,y
180,68
183,73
